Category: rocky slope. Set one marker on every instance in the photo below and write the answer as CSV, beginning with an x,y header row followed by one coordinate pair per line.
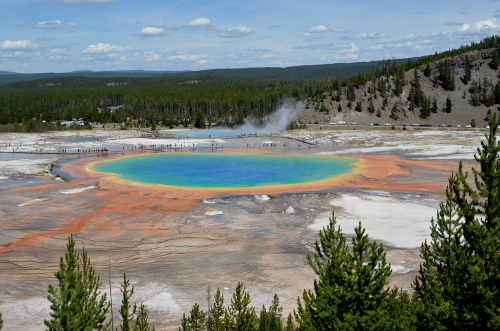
x,y
463,110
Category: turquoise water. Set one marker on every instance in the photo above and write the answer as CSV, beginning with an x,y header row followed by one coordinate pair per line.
x,y
204,133
196,170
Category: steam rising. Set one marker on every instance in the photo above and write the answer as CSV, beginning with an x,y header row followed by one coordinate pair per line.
x,y
277,121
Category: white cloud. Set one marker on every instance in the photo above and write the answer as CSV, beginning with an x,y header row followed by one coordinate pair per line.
x,y
488,24
111,30
57,24
152,31
18,44
200,23
464,27
202,62
374,35
306,34
103,48
379,46
485,26
266,56
152,56
317,29
184,56
23,23
352,48
337,30
238,32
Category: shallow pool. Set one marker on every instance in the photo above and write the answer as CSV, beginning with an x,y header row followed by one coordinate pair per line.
x,y
197,170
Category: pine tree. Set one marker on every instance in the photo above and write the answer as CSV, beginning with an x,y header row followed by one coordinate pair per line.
x,y
371,107
449,105
458,286
382,87
184,323
126,311
263,319
1,321
468,73
496,93
350,292
446,76
399,81
290,326
416,93
142,320
275,315
359,107
199,120
394,111
350,93
425,111
196,318
427,70
239,316
216,313
488,115
77,303
434,107
495,61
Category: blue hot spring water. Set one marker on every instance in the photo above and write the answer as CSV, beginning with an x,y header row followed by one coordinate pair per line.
x,y
210,170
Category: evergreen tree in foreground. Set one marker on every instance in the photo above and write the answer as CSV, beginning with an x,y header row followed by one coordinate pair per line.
x,y
127,312
458,286
239,315
216,313
76,302
142,320
350,292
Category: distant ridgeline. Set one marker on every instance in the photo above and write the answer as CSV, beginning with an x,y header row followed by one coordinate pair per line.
x,y
229,96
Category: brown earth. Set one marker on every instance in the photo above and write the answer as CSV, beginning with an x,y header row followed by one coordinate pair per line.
x,y
174,243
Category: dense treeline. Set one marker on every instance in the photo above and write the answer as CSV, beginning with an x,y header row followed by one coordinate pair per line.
x,y
176,99
7,77
295,73
170,103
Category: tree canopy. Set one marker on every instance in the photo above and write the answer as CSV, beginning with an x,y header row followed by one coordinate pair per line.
x,y
458,286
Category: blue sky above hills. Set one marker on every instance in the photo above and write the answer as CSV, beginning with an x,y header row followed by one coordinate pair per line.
x,y
70,35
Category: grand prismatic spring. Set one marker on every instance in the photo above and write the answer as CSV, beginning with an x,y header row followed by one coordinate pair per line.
x,y
174,239
232,170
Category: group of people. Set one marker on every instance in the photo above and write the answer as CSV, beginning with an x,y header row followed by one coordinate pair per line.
x,y
94,150
161,146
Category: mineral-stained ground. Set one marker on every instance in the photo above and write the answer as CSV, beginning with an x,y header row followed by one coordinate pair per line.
x,y
176,244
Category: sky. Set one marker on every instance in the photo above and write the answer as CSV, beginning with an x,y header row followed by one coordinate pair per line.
x,y
160,35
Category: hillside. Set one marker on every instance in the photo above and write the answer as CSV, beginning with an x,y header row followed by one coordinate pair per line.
x,y
305,72
456,87
471,100
7,77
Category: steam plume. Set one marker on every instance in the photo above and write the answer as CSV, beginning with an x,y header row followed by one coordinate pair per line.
x,y
277,121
